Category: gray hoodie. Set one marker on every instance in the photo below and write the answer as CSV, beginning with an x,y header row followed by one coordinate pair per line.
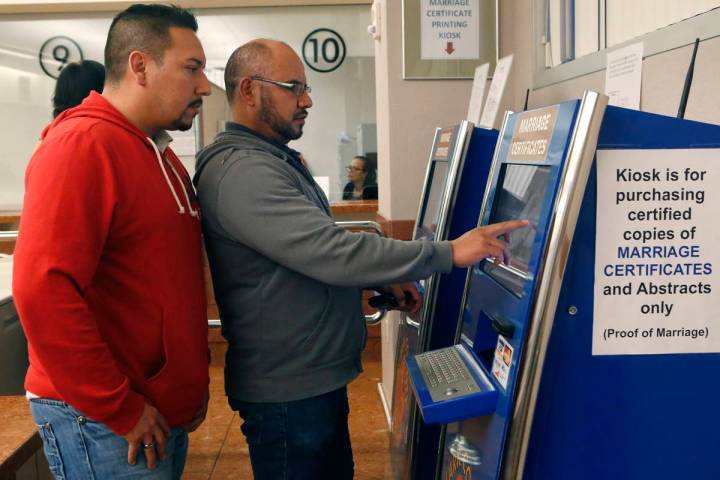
x,y
287,280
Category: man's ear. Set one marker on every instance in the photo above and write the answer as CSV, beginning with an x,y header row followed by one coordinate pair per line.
x,y
247,93
137,67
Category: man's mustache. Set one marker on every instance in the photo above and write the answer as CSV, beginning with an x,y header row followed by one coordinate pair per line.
x,y
195,103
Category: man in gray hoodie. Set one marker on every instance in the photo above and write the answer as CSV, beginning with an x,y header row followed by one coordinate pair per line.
x,y
287,281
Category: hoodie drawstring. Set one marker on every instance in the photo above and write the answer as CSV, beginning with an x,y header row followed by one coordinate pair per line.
x,y
181,209
193,213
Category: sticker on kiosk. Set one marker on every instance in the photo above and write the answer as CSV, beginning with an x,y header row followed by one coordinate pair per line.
x,y
502,361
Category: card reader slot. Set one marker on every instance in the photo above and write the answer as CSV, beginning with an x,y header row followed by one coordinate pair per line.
x,y
502,326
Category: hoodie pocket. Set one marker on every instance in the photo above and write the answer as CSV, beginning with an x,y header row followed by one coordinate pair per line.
x,y
177,390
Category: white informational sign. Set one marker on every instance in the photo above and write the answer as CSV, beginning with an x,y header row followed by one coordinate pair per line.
x,y
449,29
657,248
623,76
502,361
478,92
497,88
324,184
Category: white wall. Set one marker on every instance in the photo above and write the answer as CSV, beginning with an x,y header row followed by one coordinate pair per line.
x,y
24,103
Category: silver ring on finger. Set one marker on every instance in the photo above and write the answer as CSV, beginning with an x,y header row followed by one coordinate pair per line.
x,y
149,445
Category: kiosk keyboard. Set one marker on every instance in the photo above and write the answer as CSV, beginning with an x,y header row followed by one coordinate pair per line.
x,y
445,374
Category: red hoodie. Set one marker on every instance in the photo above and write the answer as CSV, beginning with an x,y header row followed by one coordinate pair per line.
x,y
107,273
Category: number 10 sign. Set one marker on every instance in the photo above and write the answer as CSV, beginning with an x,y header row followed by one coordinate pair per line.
x,y
323,50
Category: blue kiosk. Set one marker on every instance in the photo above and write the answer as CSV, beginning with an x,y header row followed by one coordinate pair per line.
x,y
457,172
588,355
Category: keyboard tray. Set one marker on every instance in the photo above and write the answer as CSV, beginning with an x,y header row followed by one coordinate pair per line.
x,y
450,385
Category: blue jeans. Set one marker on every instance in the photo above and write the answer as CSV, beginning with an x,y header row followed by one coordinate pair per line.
x,y
304,439
79,448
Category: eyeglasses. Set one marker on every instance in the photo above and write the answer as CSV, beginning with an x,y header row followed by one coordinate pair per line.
x,y
350,168
295,87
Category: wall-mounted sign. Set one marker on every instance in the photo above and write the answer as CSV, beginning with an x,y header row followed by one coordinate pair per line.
x,y
57,52
448,38
450,29
323,50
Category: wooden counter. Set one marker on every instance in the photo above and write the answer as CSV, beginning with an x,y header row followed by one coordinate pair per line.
x,y
19,439
9,218
347,210
8,221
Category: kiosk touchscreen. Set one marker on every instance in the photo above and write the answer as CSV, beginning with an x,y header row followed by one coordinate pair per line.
x,y
520,195
454,186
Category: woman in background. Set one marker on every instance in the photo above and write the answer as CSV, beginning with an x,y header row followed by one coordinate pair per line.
x,y
361,180
75,82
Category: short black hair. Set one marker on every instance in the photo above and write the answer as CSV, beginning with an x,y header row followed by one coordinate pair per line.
x,y
145,28
75,82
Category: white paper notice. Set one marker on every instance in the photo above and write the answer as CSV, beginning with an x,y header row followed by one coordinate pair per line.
x,y
497,88
324,184
657,247
623,76
449,30
478,92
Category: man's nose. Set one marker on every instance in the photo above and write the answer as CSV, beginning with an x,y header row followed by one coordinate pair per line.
x,y
304,100
204,87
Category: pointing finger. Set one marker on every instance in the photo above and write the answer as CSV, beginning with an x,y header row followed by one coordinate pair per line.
x,y
502,228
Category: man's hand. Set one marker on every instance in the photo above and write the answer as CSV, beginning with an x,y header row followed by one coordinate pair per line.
x,y
482,242
200,415
412,303
148,435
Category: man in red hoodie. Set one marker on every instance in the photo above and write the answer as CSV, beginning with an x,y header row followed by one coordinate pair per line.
x,y
108,276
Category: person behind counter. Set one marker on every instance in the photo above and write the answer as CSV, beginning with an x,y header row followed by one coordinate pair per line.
x,y
107,275
75,82
288,280
362,180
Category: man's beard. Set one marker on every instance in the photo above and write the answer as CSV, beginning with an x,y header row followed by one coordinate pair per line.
x,y
281,127
181,123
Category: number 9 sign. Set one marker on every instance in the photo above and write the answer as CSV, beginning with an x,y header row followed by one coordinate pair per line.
x,y
57,52
323,50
